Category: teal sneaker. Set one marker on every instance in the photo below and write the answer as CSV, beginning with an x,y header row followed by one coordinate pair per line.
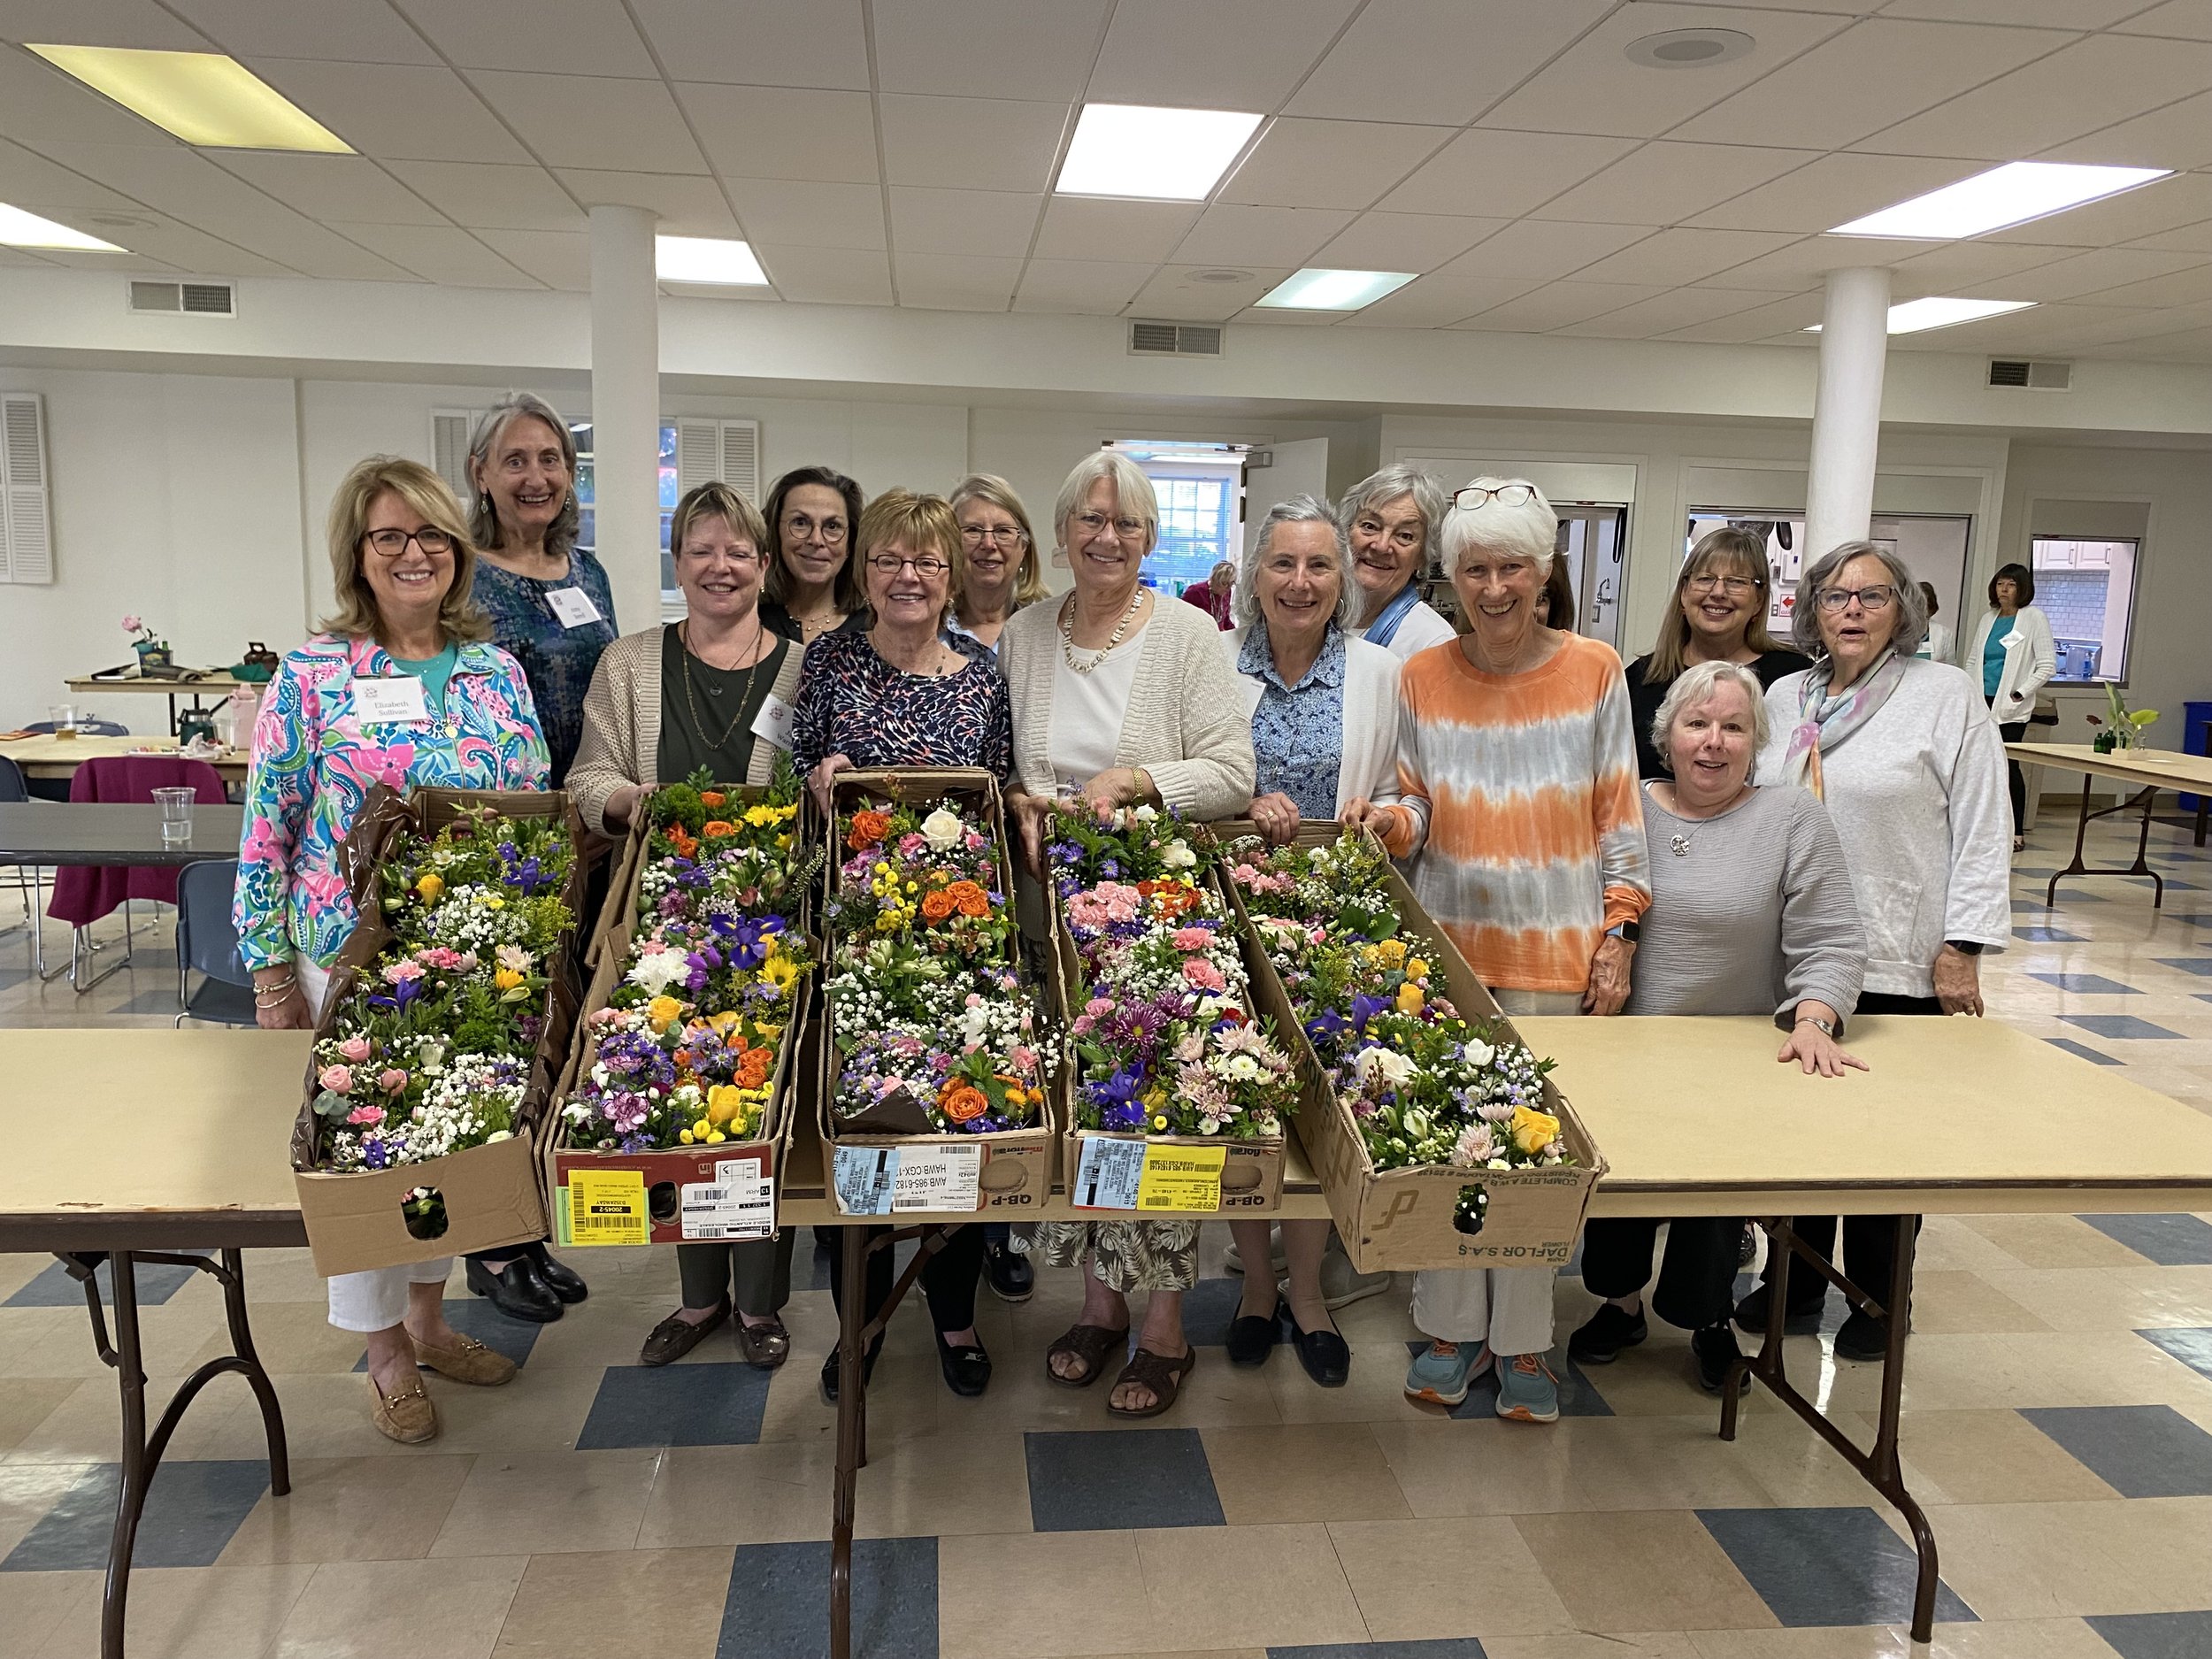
x,y
1441,1372
1527,1391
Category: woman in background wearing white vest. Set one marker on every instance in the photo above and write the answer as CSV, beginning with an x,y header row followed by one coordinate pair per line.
x,y
2013,658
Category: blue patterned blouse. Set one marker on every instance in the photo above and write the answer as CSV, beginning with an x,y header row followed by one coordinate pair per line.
x,y
557,661
1298,731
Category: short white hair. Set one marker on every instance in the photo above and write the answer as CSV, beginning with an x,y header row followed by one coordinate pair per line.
x,y
1377,490
1133,496
1529,530
1297,509
1694,685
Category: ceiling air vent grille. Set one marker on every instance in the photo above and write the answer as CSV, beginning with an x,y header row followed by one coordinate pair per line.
x,y
189,299
1175,339
2038,377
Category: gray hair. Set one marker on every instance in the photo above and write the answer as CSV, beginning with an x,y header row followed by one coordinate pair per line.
x,y
560,535
1297,509
1694,685
1134,495
1530,530
1911,627
1377,490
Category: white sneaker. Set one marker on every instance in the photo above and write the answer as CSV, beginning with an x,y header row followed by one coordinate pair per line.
x,y
1343,1284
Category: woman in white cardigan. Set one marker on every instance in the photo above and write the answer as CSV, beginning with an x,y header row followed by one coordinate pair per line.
x,y
2012,658
1123,702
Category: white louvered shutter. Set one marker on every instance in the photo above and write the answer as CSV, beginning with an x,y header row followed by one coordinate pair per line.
x,y
450,430
27,520
728,451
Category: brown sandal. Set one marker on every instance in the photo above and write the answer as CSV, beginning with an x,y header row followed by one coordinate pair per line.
x,y
1091,1344
1162,1375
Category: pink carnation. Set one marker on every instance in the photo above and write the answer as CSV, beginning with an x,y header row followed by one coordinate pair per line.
x,y
1199,972
1191,938
337,1078
366,1115
400,971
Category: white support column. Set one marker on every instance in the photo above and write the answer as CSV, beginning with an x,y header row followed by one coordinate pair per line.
x,y
1847,411
626,410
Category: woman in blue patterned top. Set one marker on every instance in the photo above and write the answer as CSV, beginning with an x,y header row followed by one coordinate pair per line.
x,y
1325,731
549,601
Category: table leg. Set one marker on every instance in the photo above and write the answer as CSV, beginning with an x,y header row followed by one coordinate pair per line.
x,y
130,1498
2204,816
2142,799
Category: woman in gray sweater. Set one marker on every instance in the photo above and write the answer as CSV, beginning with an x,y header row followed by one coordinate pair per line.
x,y
1752,912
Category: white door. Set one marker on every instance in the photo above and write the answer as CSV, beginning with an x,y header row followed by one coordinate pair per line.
x,y
1299,468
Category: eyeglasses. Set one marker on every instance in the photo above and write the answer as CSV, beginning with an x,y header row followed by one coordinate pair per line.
x,y
1875,598
976,534
391,543
799,528
889,564
739,555
1406,538
1094,523
1505,494
1735,586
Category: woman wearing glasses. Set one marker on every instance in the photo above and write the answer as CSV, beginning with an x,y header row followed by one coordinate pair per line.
x,y
1122,700
667,702
400,687
900,695
1904,754
999,551
811,587
1718,615
1392,517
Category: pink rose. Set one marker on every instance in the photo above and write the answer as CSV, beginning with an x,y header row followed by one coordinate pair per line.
x,y
392,1081
131,624
337,1078
355,1048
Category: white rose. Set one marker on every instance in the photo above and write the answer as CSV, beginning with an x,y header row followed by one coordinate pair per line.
x,y
1177,855
498,1135
943,829
1480,1054
1146,814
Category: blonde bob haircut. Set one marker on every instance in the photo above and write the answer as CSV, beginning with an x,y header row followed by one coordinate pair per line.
x,y
1529,530
924,524
714,499
560,535
1029,580
1726,551
1133,496
1696,685
356,617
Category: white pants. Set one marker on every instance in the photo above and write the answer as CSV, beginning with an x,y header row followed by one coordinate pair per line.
x,y
374,1300
1510,1307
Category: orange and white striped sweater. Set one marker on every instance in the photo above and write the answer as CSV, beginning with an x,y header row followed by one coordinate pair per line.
x,y
1519,795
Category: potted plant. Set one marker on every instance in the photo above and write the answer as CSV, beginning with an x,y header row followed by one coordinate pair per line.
x,y
152,653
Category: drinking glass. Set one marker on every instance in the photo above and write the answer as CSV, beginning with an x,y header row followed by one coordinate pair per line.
x,y
176,814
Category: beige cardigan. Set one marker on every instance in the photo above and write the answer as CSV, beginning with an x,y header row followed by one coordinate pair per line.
x,y
1187,723
622,724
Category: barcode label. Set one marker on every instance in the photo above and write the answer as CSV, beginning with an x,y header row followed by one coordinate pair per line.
x,y
939,1177
740,1204
864,1178
1108,1174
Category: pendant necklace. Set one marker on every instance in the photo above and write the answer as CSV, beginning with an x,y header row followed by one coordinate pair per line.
x,y
691,701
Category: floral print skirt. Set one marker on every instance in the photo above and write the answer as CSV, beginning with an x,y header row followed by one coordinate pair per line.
x,y
1126,1256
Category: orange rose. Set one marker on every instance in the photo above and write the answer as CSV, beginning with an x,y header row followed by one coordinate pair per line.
x,y
714,827
969,897
937,906
711,797
681,841
963,1102
869,827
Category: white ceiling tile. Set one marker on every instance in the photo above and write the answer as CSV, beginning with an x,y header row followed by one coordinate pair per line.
x,y
1593,87
178,181
1803,262
138,23
2179,136
1831,190
1438,299
2070,326
338,31
561,37
23,257
1014,47
2183,19
1330,164
39,102
1097,288
1952,268
991,223
1229,235
828,276
195,250
1438,60
1174,296
2160,205
2054,14
1870,76
1542,251
1268,316
1077,227
971,143
764,42
1403,241
797,214
480,193
784,132
558,258
1501,174
29,180
1760,322
394,111
2190,346
332,188
687,205
140,265
1646,319
1685,256
1558,305
314,251
955,282
1664,183
2183,287
1225,55
594,121
436,255
2184,239
2088,275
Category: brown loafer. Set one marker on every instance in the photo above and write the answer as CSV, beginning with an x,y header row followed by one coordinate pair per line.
x,y
407,1416
766,1345
676,1336
468,1361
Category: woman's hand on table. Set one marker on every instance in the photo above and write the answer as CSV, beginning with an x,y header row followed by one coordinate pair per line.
x,y
1813,1048
279,1004
817,781
1276,818
1609,976
1958,981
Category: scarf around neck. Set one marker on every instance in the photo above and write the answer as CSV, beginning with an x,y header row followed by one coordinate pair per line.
x,y
1826,718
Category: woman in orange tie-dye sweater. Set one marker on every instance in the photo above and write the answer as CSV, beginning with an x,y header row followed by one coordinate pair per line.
x,y
1517,768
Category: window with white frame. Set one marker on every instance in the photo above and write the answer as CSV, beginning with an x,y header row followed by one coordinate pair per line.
x,y
2086,588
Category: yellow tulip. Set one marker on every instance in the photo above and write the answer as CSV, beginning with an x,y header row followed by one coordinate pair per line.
x,y
1416,969
429,885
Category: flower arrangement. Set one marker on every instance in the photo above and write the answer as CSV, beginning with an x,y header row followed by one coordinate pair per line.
x,y
2122,729
1166,1042
685,1051
926,1000
431,1052
1425,1085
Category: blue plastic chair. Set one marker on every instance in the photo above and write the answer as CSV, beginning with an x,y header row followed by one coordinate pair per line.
x,y
207,943
30,880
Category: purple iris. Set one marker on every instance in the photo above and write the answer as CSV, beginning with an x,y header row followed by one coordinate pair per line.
x,y
1328,1023
749,940
402,991
1365,1008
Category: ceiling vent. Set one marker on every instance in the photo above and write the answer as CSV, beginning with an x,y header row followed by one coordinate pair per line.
x,y
188,299
1175,339
2036,376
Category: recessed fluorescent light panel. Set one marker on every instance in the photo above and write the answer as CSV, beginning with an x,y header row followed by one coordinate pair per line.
x,y
1320,290
20,229
1914,317
204,98
1158,155
2010,195
707,259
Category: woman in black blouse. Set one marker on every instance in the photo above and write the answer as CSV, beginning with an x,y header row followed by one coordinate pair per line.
x,y
812,586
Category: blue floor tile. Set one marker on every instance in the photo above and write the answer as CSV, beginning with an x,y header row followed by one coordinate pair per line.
x,y
472,1315
1084,1481
2139,1451
2047,936
1440,1648
2192,1345
1818,1567
778,1606
1577,1396
2201,966
2088,984
676,1405
157,1282
1209,1307
2155,1635
2121,1027
192,1508
2082,1051
2171,1240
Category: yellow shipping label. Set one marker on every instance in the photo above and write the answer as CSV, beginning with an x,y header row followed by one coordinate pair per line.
x,y
607,1207
1181,1177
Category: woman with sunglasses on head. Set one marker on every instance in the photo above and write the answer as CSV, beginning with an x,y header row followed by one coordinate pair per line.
x,y
811,587
1718,615
999,558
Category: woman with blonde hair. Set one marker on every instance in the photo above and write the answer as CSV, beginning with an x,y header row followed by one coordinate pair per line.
x,y
1002,571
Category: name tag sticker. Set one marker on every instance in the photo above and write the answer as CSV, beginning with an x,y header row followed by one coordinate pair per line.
x,y
571,607
385,701
773,722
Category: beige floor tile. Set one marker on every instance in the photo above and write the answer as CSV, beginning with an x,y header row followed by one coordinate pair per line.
x,y
27,1491
1642,1570
1045,1595
87,1426
35,1605
1306,1472
2017,1638
1447,1468
775,1493
1218,1585
1658,1463
901,1400
325,1414
1948,1245
531,1414
1869,1642
274,1276
179,1613
376,1609
1955,1302
1994,1456
1210,1653
2031,1561
1374,1393
291,1337
1420,1579
351,1509
2072,1300
2053,1242
1584,1645
940,1483
548,1504
663,1602
58,1341
28,1401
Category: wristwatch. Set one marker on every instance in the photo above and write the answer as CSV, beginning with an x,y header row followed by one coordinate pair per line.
x,y
1629,931
1966,946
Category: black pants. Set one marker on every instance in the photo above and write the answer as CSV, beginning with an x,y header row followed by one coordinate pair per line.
x,y
755,1275
2016,781
949,1278
1696,1280
1870,1242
